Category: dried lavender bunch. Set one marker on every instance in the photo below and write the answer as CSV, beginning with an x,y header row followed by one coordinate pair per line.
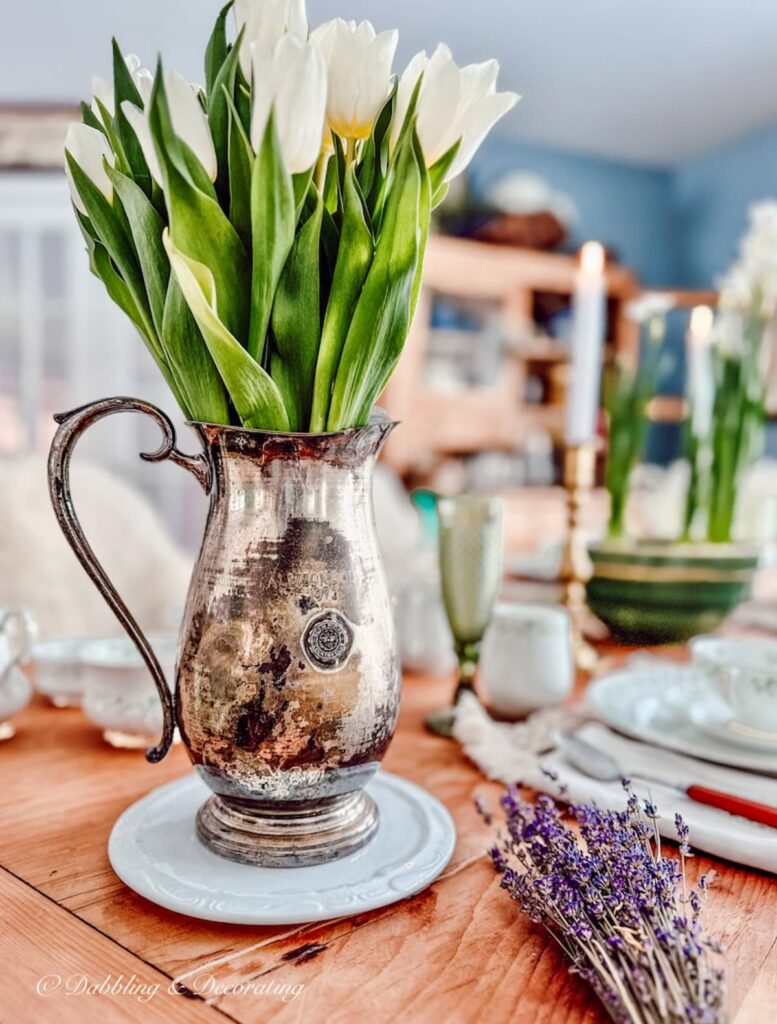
x,y
620,909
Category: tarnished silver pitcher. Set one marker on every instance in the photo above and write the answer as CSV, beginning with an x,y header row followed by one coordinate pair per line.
x,y
287,679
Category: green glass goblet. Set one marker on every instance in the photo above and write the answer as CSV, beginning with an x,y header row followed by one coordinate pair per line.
x,y
471,542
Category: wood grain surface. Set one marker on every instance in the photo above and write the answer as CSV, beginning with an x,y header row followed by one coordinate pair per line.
x,y
458,952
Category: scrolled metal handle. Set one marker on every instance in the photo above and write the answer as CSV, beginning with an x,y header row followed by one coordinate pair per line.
x,y
71,426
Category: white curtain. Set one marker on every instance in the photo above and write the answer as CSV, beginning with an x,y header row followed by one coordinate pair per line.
x,y
63,344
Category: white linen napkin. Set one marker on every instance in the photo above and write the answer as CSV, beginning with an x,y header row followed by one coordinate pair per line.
x,y
524,752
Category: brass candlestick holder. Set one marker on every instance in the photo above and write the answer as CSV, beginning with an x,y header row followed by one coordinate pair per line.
x,y
578,479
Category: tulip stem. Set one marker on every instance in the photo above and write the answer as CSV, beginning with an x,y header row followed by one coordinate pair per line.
x,y
320,173
350,152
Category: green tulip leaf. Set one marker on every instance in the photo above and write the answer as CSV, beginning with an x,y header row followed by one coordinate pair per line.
x,y
117,290
189,356
218,114
216,50
301,184
112,233
296,322
374,162
425,205
124,87
198,226
241,162
381,319
330,188
146,227
273,218
243,99
440,167
255,396
354,257
89,117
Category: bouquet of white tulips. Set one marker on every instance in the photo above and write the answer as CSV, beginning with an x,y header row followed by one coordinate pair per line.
x,y
266,232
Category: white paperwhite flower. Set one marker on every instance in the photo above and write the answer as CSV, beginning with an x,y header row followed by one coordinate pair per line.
x,y
754,274
265,22
291,82
648,306
89,148
454,103
189,123
358,65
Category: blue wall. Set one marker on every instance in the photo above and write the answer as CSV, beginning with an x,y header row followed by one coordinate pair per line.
x,y
710,199
674,226
628,208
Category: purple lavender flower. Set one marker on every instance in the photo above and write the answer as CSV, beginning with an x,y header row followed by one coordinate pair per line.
x,y
620,909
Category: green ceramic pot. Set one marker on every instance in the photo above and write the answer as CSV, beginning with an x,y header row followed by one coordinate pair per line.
x,y
652,593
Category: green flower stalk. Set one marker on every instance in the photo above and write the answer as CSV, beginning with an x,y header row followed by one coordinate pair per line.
x,y
738,423
627,394
731,439
266,233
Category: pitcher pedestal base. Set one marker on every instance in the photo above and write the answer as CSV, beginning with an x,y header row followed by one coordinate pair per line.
x,y
287,837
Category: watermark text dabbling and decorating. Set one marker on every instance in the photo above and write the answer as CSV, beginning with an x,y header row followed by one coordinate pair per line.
x,y
205,986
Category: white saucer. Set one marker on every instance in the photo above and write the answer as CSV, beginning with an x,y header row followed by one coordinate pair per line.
x,y
154,849
655,704
715,717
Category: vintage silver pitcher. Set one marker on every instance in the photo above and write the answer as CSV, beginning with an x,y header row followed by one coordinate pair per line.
x,y
287,678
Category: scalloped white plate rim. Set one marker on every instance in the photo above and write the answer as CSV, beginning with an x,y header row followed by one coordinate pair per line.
x,y
405,857
633,684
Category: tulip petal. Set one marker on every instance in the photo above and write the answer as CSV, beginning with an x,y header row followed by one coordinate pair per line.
x,y
190,122
138,121
88,148
477,123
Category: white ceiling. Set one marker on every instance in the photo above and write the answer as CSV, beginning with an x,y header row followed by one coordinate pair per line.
x,y
649,81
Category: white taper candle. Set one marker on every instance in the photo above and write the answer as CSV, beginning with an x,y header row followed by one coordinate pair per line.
x,y
588,328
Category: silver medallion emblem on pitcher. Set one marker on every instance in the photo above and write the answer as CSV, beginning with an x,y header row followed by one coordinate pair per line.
x,y
327,641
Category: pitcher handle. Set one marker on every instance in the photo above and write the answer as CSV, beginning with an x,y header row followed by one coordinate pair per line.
x,y
71,426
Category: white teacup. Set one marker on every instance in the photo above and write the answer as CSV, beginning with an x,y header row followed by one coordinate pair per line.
x,y
17,633
743,671
526,659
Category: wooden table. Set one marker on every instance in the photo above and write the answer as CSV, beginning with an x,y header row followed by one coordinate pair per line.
x,y
458,952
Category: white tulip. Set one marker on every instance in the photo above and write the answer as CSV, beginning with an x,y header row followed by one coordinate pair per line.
x,y
292,83
88,147
265,22
454,103
103,92
359,74
188,118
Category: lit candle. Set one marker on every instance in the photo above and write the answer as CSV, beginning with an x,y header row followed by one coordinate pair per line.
x,y
701,384
588,326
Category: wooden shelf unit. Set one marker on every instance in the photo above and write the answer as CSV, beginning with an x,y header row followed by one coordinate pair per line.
x,y
438,423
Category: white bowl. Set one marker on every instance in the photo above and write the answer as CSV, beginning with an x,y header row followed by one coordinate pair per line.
x,y
58,670
119,694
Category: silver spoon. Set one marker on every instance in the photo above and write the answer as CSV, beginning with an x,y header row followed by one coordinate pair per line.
x,y
597,764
